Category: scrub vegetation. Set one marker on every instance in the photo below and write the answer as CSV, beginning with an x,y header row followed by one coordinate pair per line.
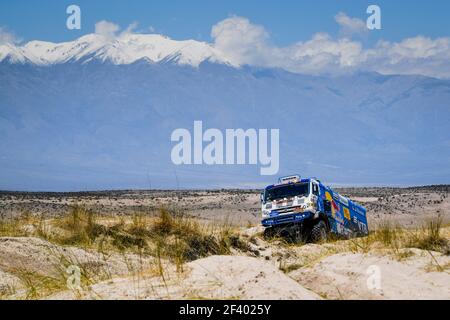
x,y
158,247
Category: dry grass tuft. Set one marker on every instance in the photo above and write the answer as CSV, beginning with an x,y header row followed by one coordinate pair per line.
x,y
182,239
430,238
398,240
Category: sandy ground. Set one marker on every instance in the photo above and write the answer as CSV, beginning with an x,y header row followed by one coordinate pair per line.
x,y
270,270
311,271
353,276
215,277
26,260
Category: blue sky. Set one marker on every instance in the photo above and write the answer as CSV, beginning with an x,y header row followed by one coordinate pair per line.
x,y
287,21
320,37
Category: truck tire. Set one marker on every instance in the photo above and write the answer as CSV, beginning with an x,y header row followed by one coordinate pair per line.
x,y
268,233
319,232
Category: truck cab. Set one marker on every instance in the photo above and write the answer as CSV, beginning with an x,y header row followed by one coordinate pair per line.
x,y
308,209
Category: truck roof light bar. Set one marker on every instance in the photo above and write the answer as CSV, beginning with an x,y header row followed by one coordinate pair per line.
x,y
289,179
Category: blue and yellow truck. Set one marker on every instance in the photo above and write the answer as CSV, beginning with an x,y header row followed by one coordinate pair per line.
x,y
306,209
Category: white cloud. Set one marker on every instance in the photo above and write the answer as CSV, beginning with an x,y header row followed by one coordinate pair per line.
x,y
112,31
107,29
7,37
322,54
241,41
350,26
417,48
244,43
131,28
417,55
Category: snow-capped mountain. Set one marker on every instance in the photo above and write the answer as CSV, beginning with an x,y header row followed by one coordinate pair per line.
x,y
125,49
98,114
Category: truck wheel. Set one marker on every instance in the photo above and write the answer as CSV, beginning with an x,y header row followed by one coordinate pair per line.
x,y
268,233
319,232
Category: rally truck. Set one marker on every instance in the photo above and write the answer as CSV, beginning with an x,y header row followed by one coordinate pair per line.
x,y
307,210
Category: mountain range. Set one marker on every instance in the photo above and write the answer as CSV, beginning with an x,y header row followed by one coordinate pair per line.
x,y
98,113
126,49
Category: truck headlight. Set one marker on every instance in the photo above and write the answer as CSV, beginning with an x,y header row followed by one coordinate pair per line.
x,y
311,204
269,206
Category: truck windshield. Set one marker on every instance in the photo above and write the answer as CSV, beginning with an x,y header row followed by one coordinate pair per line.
x,y
286,191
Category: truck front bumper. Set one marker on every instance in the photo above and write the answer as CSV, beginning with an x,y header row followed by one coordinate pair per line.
x,y
278,219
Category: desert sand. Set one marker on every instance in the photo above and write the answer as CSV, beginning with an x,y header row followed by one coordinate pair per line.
x,y
389,264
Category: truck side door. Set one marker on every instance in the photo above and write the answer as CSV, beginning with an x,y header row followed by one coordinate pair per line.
x,y
315,190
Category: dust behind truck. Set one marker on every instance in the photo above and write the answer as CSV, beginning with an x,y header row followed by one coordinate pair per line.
x,y
307,210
